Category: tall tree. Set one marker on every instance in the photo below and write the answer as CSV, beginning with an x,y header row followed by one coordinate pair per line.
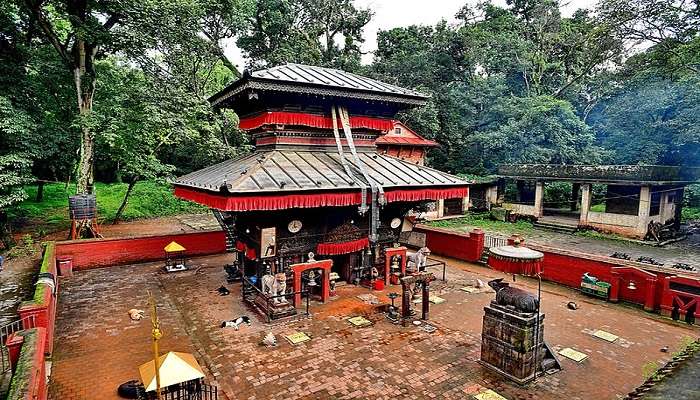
x,y
79,31
314,32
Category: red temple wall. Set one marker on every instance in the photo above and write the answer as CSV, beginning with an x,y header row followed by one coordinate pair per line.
x,y
567,267
462,246
97,253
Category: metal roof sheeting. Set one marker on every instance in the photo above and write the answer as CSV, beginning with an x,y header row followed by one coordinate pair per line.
x,y
292,171
307,74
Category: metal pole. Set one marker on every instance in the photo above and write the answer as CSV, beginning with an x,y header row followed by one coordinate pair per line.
x,y
157,334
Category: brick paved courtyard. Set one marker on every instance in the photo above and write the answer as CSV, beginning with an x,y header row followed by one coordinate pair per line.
x,y
98,346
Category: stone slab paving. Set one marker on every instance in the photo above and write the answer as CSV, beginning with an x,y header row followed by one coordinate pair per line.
x,y
98,347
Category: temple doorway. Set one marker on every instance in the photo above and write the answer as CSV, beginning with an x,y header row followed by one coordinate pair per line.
x,y
345,264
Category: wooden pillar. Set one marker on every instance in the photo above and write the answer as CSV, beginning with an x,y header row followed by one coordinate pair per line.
x,y
426,299
405,302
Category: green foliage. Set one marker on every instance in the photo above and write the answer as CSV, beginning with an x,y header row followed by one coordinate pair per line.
x,y
149,199
649,369
485,222
27,247
316,32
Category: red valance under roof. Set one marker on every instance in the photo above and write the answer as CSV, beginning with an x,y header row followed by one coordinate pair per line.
x,y
331,249
312,120
309,200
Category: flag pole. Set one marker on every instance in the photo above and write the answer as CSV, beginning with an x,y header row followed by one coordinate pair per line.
x,y
157,334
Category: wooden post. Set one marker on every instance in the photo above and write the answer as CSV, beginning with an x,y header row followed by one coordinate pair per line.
x,y
426,299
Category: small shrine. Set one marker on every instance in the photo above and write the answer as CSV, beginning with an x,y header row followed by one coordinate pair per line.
x,y
175,257
323,197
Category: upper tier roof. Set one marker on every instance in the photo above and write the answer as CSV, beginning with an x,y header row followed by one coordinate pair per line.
x,y
296,78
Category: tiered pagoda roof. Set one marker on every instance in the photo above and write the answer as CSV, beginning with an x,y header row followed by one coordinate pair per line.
x,y
287,109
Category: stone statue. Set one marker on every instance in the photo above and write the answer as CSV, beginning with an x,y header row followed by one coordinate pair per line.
x,y
418,260
274,286
281,280
510,296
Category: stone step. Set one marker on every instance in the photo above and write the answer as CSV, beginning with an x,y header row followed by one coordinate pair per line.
x,y
551,226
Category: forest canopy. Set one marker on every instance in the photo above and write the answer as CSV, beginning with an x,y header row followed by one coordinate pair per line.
x,y
117,90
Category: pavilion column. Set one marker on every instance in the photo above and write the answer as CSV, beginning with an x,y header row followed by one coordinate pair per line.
x,y
440,207
663,207
644,209
585,204
539,195
465,203
575,187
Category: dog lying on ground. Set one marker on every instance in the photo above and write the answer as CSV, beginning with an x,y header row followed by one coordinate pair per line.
x,y
223,291
235,323
135,314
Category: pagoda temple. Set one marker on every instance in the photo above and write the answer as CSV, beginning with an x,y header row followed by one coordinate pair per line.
x,y
316,182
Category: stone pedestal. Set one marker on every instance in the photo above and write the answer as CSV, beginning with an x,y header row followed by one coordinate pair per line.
x,y
508,342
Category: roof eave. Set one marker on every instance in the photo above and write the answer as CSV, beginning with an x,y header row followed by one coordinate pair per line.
x,y
250,82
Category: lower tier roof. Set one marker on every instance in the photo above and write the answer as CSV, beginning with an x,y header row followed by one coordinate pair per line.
x,y
277,179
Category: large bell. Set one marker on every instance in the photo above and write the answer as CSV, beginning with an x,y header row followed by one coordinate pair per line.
x,y
312,279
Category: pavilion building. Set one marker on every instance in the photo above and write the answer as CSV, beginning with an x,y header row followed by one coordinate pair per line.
x,y
316,182
631,199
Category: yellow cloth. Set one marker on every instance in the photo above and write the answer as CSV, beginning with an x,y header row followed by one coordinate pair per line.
x,y
174,368
173,247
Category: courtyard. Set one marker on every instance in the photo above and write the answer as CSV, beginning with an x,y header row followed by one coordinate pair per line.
x,y
98,346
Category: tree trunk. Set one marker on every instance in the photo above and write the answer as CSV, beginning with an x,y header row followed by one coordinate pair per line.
x,y
5,236
40,192
84,77
118,216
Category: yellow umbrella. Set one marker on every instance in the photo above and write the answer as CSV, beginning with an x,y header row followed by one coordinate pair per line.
x,y
174,368
173,247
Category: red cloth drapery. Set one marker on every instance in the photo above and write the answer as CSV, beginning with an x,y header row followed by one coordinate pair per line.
x,y
515,266
425,194
343,247
249,252
309,200
312,120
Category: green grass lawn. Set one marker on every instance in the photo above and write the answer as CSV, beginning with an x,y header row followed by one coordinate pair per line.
x,y
147,200
484,221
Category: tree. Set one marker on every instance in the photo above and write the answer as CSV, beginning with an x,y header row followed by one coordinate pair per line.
x,y
15,161
79,31
316,32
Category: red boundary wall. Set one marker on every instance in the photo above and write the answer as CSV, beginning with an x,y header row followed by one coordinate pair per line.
x,y
98,253
462,246
567,267
26,349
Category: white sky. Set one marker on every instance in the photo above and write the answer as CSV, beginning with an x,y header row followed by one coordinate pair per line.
x,y
396,13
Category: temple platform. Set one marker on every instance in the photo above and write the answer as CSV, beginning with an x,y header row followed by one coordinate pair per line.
x,y
340,361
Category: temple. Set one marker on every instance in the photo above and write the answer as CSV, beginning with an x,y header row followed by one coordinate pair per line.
x,y
332,177
630,200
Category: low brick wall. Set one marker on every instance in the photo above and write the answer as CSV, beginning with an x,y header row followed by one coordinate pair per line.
x,y
99,253
567,267
27,350
42,307
444,242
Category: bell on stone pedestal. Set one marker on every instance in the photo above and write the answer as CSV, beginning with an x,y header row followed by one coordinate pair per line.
x,y
312,279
